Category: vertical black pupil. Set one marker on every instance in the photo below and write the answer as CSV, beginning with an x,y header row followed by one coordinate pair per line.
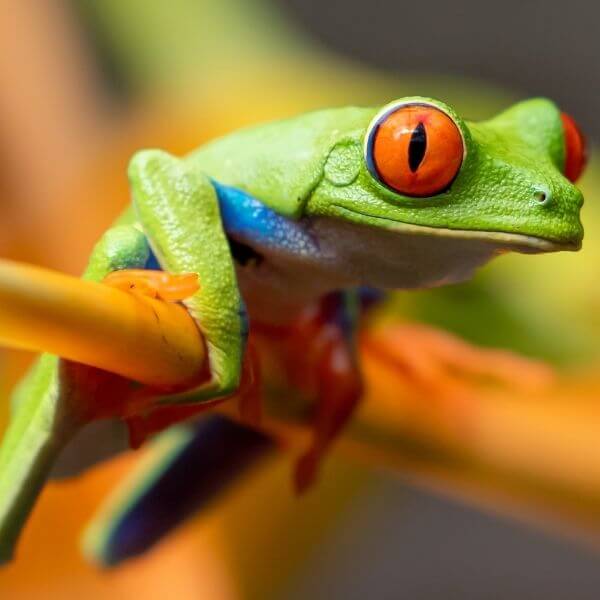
x,y
417,147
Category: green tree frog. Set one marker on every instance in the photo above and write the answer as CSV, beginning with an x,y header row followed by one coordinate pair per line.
x,y
288,226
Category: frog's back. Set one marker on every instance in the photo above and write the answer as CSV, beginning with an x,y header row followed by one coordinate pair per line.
x,y
280,163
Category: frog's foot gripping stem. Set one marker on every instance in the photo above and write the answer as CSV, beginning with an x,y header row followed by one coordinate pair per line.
x,y
145,417
148,419
443,366
155,284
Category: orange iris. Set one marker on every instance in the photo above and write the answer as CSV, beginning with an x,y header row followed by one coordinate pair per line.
x,y
575,149
416,150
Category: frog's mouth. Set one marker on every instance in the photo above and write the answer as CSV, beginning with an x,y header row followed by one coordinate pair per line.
x,y
517,242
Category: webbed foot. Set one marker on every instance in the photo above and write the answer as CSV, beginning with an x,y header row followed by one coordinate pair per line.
x,y
143,417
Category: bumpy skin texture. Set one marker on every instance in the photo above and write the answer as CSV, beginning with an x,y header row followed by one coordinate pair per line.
x,y
280,163
281,215
179,206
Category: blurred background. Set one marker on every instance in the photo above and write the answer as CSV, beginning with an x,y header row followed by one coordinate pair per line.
x,y
84,84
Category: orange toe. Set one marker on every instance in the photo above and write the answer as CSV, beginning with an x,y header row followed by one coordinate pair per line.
x,y
156,284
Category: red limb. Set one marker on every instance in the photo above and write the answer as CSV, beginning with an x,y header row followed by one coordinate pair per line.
x,y
144,423
319,358
339,391
144,418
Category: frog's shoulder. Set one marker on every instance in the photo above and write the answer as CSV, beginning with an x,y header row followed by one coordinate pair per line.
x,y
281,162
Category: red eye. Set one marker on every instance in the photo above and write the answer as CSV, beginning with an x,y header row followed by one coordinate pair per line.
x,y
575,149
416,150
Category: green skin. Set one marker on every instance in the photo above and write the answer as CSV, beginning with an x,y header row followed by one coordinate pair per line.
x,y
312,171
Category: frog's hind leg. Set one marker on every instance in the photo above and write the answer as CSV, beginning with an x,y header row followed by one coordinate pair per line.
x,y
182,471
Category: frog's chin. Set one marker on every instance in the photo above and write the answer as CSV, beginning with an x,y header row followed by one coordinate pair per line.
x,y
504,241
515,242
408,257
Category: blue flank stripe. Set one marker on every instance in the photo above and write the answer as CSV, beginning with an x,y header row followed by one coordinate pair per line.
x,y
247,219
152,262
369,296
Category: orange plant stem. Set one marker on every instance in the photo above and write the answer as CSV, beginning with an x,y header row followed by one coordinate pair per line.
x,y
147,340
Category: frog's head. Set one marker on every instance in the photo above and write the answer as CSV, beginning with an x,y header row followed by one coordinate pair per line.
x,y
418,168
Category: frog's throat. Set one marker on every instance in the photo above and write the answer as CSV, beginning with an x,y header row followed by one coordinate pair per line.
x,y
517,242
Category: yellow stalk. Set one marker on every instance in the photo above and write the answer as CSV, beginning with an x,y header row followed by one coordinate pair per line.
x,y
512,450
141,338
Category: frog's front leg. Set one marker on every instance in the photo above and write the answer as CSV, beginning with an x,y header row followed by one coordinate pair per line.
x,y
178,210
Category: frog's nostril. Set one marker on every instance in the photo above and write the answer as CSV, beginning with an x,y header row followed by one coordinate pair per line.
x,y
542,195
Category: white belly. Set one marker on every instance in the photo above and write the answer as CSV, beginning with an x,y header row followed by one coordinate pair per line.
x,y
351,255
